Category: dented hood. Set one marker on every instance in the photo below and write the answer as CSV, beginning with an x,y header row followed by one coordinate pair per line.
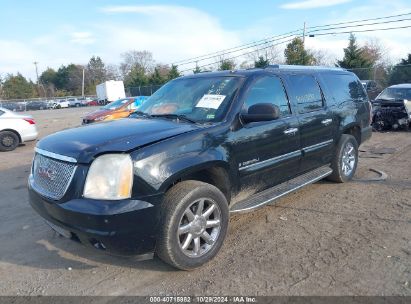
x,y
86,142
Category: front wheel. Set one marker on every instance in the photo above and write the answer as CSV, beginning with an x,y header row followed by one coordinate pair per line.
x,y
194,224
345,159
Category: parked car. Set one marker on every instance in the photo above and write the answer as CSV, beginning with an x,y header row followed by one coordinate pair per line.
x,y
392,108
92,102
15,129
13,106
60,103
117,109
201,147
38,105
372,87
76,102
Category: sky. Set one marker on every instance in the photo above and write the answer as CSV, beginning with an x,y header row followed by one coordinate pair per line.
x,y
56,33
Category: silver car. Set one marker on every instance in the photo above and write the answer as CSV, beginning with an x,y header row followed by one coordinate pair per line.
x,y
15,129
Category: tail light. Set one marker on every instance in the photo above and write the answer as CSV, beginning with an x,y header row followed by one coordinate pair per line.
x,y
30,121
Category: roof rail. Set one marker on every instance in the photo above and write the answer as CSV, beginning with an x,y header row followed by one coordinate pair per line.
x,y
302,67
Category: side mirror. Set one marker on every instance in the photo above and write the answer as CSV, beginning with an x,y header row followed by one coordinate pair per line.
x,y
261,112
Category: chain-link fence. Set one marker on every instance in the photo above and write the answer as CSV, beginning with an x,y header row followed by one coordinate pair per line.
x,y
142,90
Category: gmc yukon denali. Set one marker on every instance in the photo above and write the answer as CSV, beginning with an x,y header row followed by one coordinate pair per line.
x,y
166,179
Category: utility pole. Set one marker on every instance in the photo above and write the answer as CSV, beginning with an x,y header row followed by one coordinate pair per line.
x,y
304,35
37,71
37,75
82,85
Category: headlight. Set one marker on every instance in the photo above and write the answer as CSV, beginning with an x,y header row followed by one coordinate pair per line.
x,y
110,177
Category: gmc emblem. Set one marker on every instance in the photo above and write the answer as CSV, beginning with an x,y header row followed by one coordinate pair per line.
x,y
46,173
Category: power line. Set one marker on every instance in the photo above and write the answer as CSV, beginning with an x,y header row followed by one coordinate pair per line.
x,y
362,31
362,20
271,39
240,55
357,25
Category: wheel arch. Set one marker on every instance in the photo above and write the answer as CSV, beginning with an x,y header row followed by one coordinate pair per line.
x,y
354,130
15,132
215,173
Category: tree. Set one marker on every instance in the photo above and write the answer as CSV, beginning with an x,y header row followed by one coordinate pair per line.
x,y
142,59
17,87
197,70
356,60
173,73
261,62
48,81
226,64
157,78
295,53
136,77
96,70
401,73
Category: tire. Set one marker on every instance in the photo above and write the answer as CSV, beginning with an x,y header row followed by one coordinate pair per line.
x,y
345,144
8,141
175,210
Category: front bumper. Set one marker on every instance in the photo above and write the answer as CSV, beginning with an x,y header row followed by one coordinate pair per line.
x,y
127,227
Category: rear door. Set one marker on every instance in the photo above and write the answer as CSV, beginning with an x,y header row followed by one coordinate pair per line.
x,y
316,121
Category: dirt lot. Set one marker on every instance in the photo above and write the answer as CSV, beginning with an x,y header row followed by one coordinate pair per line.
x,y
326,239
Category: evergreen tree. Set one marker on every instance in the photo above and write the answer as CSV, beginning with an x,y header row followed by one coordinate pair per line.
x,y
261,62
197,70
173,73
401,73
296,54
96,70
356,60
226,64
18,87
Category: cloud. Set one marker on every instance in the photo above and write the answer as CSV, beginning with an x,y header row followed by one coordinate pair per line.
x,y
309,4
82,38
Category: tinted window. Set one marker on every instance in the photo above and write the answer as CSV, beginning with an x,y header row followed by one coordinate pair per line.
x,y
267,90
306,93
344,88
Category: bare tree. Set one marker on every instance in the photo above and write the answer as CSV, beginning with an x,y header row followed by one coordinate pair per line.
x,y
322,57
137,59
376,52
273,54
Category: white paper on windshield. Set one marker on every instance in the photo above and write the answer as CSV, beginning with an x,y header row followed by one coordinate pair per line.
x,y
210,101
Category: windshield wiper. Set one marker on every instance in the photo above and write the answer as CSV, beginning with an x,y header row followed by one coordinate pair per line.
x,y
141,113
175,116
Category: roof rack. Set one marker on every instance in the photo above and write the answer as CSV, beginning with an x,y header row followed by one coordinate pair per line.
x,y
302,67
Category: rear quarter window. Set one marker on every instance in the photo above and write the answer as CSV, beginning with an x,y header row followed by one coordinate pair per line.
x,y
306,92
344,88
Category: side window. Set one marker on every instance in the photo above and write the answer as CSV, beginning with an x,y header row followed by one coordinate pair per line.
x,y
268,89
344,88
1,112
306,93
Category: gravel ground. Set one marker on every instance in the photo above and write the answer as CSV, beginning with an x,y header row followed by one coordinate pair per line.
x,y
326,239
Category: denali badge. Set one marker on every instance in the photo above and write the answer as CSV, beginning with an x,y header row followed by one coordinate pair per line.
x,y
46,173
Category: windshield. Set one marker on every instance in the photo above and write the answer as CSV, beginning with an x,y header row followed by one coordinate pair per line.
x,y
202,99
116,104
395,93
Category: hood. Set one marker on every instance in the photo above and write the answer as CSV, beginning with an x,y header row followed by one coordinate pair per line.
x,y
98,113
84,143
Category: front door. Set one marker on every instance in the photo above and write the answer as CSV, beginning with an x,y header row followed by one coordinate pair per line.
x,y
268,152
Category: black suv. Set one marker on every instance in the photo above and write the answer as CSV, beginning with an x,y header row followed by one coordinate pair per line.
x,y
203,146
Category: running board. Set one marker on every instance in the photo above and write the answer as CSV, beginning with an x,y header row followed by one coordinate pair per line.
x,y
268,196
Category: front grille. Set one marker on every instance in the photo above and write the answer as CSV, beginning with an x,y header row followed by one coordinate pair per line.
x,y
51,177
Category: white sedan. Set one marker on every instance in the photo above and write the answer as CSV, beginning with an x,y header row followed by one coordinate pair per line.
x,y
15,129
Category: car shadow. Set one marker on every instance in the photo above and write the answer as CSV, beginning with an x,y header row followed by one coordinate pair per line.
x,y
27,240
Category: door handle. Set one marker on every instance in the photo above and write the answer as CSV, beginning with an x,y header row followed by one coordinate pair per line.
x,y
291,131
326,122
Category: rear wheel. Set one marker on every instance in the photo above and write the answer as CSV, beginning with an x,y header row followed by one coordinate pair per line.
x,y
194,224
345,159
8,141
